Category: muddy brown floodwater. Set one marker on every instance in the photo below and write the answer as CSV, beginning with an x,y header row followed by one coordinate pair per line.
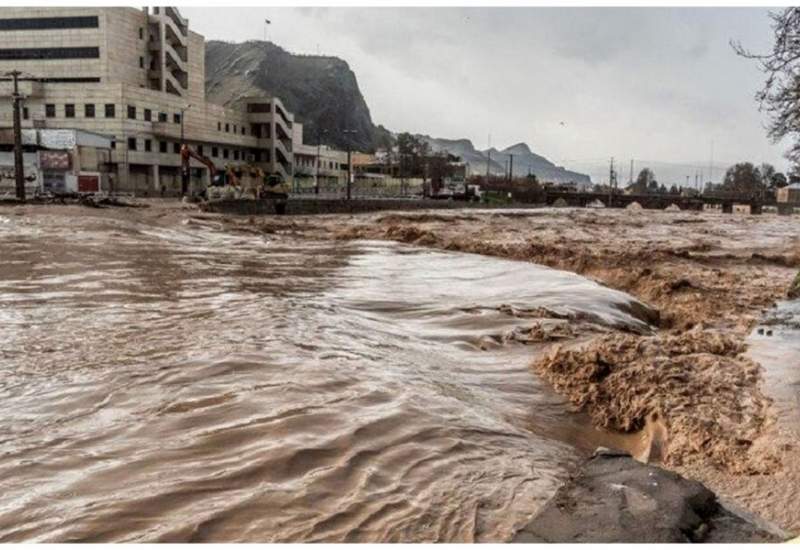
x,y
163,379
708,394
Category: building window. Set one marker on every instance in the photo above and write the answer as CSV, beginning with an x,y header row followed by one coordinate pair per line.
x,y
25,113
162,117
47,23
176,118
234,128
113,144
69,110
148,115
227,127
244,131
200,150
214,152
131,143
88,110
219,126
162,146
256,130
235,154
148,145
176,148
132,112
141,62
258,108
110,110
50,110
11,54
224,153
141,33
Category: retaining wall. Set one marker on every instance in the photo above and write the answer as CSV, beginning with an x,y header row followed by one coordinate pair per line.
x,y
338,206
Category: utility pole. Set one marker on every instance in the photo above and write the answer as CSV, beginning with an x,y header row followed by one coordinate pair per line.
x,y
187,168
510,167
316,166
612,182
711,163
630,176
489,162
347,133
19,170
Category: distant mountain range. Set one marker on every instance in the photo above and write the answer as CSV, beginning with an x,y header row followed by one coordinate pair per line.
x,y
323,93
524,161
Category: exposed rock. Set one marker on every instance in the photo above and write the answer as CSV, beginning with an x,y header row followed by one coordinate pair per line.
x,y
321,91
615,498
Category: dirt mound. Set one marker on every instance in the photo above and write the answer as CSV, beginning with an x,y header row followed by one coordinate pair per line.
x,y
673,208
697,385
634,206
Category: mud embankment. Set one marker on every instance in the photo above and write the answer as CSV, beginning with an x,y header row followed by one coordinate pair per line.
x,y
693,394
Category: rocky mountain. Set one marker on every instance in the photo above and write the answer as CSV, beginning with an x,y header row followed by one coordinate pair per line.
x,y
524,160
321,91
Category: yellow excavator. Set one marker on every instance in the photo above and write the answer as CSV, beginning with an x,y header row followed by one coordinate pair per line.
x,y
245,181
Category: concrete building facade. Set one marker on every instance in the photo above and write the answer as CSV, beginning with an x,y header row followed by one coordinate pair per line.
x,y
317,162
137,76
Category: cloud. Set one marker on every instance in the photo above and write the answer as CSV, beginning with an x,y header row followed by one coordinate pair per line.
x,y
655,83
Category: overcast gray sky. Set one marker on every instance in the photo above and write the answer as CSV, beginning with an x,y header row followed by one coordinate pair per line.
x,y
658,85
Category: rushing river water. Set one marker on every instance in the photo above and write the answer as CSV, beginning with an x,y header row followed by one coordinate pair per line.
x,y
188,384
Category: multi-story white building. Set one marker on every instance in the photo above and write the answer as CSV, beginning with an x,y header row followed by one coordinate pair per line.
x,y
317,163
139,77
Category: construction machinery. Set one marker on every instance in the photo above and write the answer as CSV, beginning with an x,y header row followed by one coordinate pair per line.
x,y
243,182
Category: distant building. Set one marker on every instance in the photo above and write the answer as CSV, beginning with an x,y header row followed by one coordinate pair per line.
x,y
317,161
57,161
789,194
138,76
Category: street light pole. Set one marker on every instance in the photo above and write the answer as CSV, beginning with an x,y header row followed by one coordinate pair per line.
x,y
19,170
347,133
316,169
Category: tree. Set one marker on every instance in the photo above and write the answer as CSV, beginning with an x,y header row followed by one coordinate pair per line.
x,y
743,179
767,172
780,96
644,183
778,180
412,151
